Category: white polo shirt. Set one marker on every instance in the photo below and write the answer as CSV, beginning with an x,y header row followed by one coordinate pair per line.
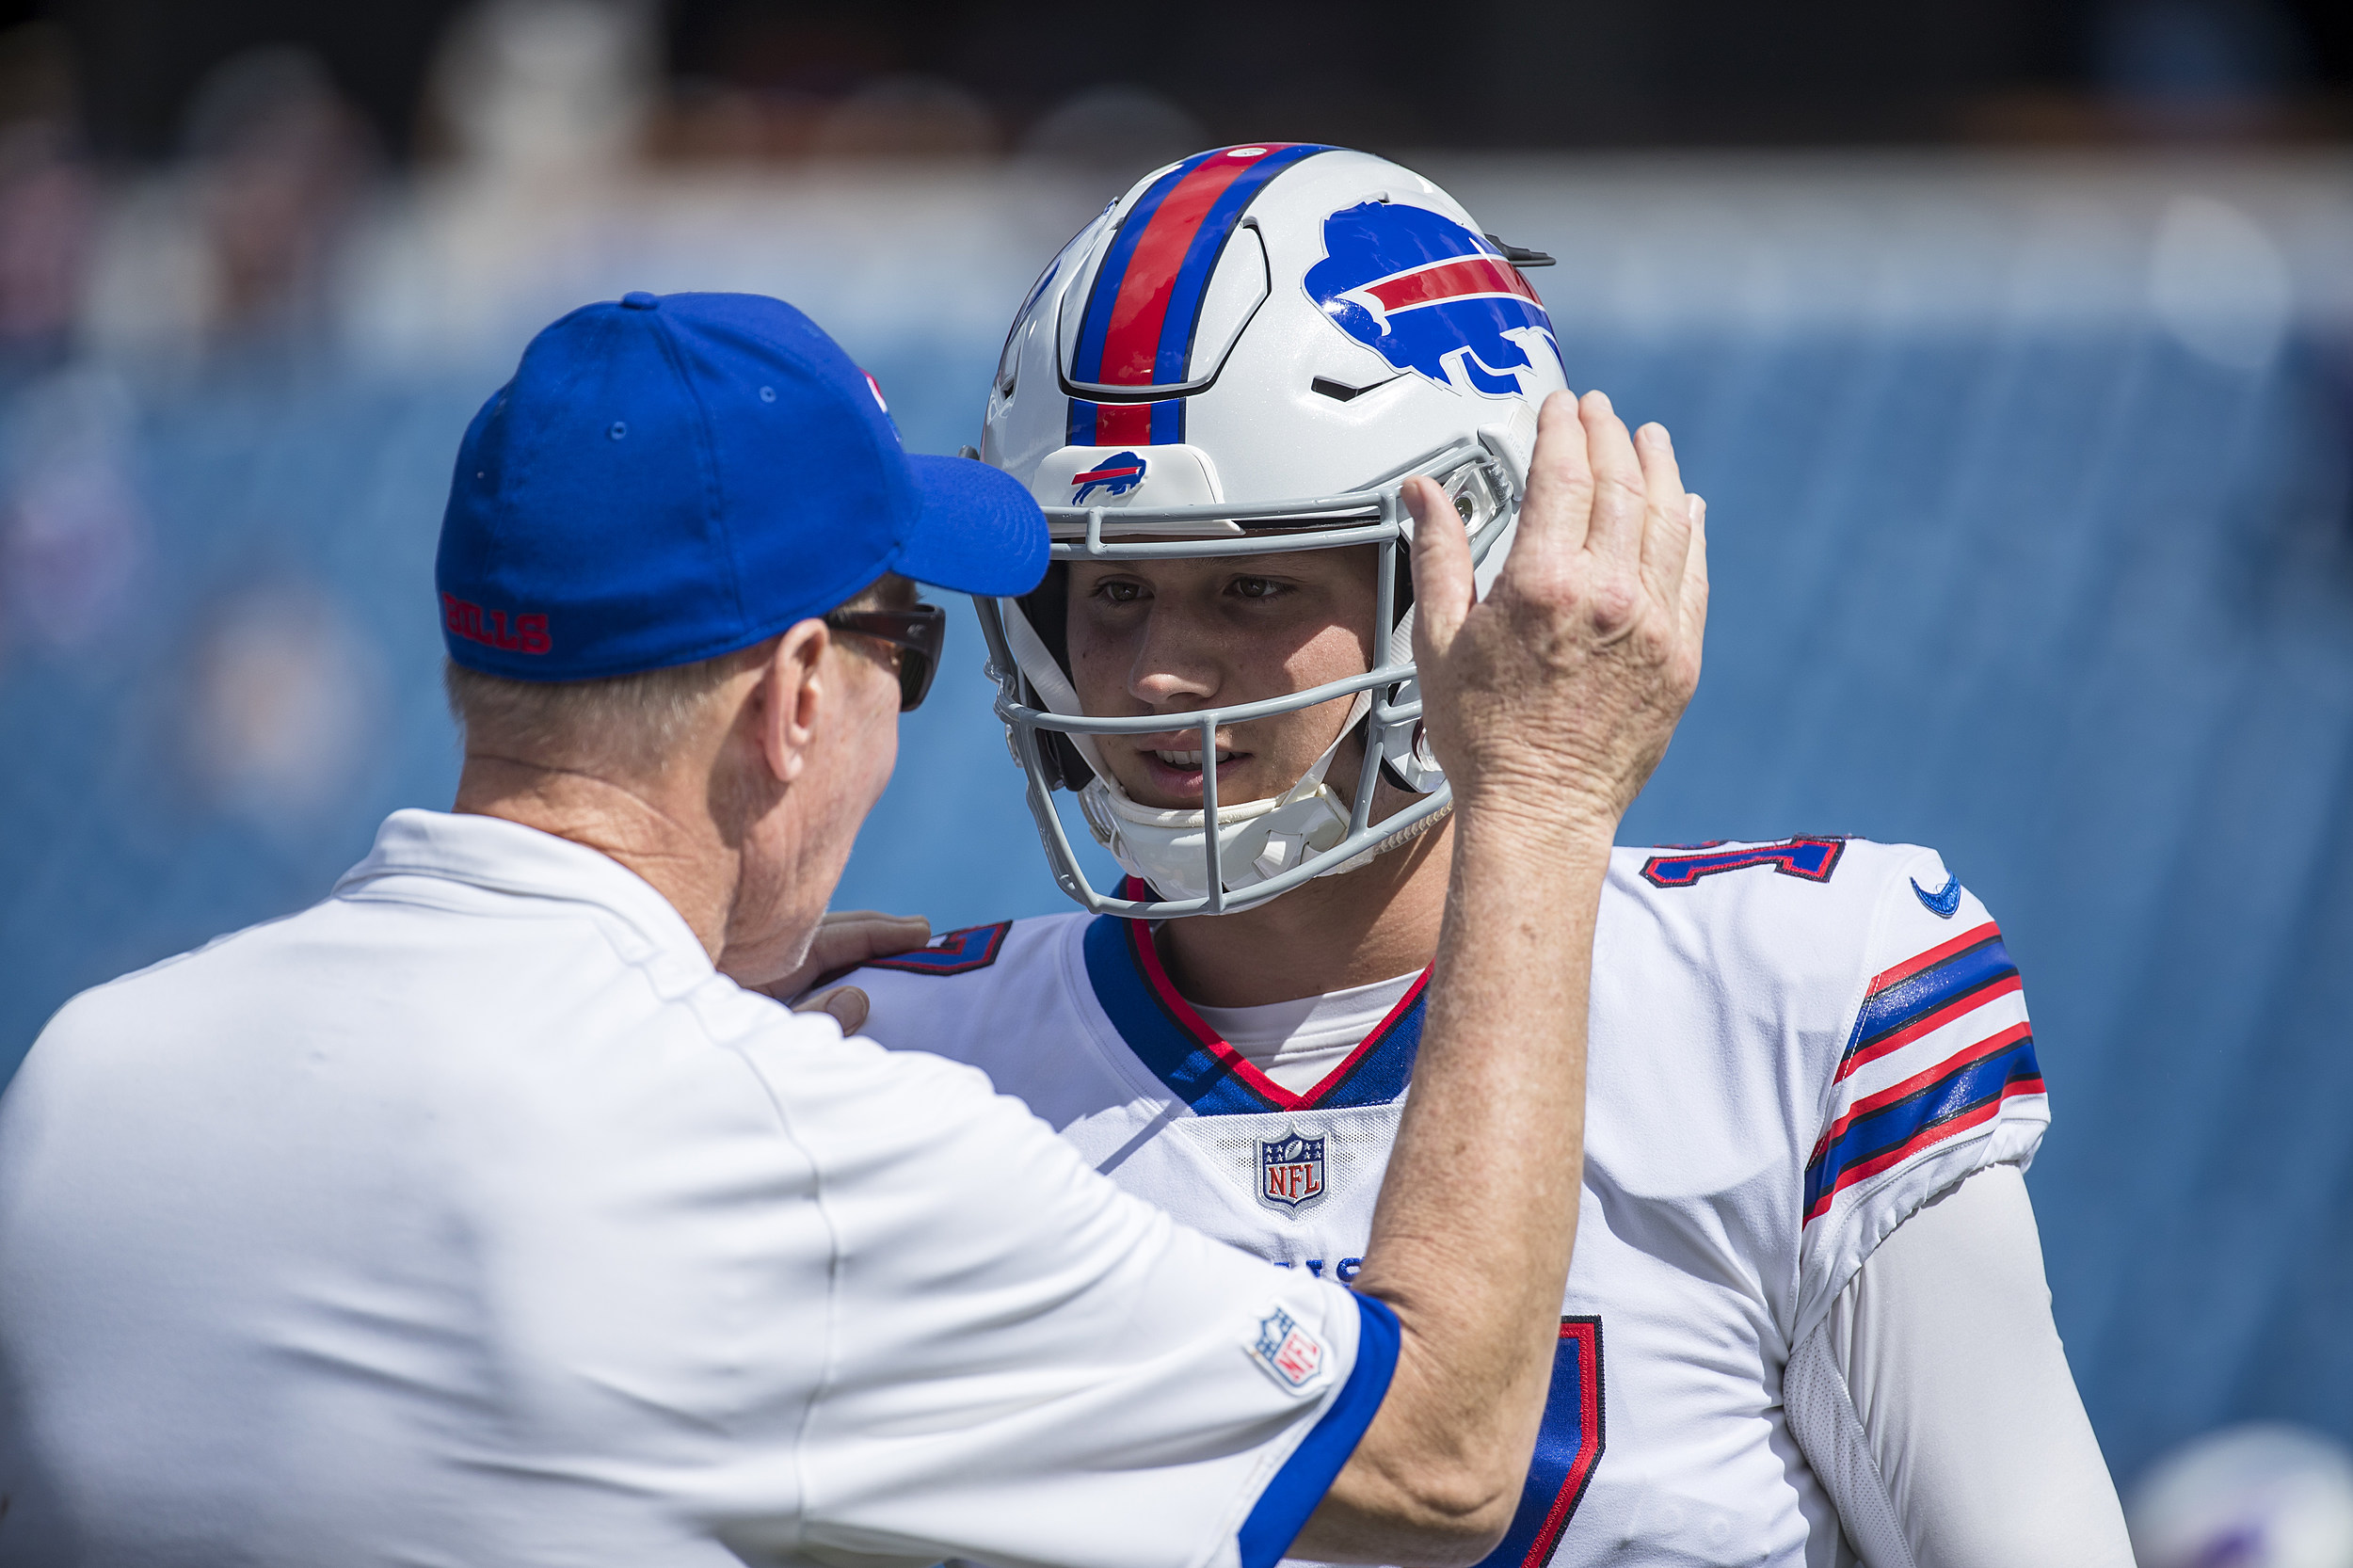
x,y
471,1217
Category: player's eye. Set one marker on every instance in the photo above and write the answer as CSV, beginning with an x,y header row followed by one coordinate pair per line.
x,y
1119,591
1256,587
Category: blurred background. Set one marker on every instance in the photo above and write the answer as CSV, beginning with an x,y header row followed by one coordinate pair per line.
x,y
2013,344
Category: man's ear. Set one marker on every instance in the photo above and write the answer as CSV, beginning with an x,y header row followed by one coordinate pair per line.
x,y
791,698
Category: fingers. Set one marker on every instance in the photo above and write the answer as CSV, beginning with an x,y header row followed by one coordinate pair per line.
x,y
1560,501
1444,588
1695,570
844,940
853,935
847,1004
1666,515
1615,531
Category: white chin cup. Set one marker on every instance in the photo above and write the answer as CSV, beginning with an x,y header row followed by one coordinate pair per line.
x,y
1256,841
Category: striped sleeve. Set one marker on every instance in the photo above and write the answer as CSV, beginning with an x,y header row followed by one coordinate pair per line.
x,y
1937,1079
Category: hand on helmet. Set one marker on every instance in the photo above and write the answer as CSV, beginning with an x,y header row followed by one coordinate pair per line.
x,y
1558,693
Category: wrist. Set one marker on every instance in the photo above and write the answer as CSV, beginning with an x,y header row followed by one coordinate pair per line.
x,y
1538,827
1545,803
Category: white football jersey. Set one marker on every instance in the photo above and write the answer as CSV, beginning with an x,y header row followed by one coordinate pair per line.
x,y
1794,1044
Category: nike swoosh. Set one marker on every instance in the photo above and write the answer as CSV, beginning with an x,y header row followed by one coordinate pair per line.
x,y
1946,899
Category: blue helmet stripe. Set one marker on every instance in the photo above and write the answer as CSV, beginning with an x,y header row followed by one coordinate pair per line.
x,y
1087,364
1183,320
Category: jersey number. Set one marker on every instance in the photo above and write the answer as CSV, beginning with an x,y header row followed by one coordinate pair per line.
x,y
1568,1446
975,946
1811,858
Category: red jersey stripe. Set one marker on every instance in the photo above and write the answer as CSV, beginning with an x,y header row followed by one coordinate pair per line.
x,y
1929,1138
1934,956
2010,984
1992,1046
1149,959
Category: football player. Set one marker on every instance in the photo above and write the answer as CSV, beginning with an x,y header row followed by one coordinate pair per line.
x,y
1806,1321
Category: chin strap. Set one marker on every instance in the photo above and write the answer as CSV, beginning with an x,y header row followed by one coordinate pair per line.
x,y
1046,677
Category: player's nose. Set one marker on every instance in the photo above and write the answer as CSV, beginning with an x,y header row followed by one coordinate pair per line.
x,y
1175,663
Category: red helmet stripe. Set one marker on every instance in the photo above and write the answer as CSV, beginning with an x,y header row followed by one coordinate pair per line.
x,y
1133,340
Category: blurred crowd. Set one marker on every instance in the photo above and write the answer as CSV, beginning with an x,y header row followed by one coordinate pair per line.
x,y
244,237
243,234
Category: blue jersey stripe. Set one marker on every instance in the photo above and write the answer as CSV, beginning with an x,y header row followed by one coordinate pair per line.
x,y
1386,1069
1282,1509
1191,1074
1917,995
1569,1443
1964,1089
1199,1076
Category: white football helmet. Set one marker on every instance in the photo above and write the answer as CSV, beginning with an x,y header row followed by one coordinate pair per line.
x,y
1250,352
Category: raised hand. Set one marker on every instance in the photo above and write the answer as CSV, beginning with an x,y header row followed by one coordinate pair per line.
x,y
1548,704
1561,689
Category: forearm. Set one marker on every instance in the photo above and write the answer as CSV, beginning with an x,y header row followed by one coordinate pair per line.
x,y
1548,702
1472,1236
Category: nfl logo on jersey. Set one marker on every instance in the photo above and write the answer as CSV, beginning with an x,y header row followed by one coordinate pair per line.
x,y
1288,1354
1290,1172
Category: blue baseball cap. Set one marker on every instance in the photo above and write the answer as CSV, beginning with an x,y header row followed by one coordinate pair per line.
x,y
672,478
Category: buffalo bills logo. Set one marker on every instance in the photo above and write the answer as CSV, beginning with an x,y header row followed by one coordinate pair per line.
x,y
1430,296
1114,476
1290,1172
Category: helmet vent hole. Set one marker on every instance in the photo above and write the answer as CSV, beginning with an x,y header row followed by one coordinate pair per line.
x,y
1340,391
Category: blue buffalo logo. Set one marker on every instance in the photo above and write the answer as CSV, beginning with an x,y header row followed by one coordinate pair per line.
x,y
1114,476
1431,297
1290,1172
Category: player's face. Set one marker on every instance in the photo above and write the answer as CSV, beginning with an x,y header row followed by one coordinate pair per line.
x,y
1176,636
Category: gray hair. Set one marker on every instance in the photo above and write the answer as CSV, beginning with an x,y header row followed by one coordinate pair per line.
x,y
625,722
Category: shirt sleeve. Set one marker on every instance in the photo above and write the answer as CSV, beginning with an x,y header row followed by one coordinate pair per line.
x,y
1937,1078
1031,1366
1970,1425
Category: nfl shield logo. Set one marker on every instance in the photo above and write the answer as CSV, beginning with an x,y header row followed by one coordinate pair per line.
x,y
1287,1352
1290,1172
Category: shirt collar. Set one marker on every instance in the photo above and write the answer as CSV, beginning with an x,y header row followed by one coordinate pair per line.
x,y
507,857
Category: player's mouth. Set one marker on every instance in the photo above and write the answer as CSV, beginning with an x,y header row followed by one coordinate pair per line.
x,y
1174,773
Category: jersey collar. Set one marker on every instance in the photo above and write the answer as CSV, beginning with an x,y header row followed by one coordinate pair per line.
x,y
1200,1067
507,857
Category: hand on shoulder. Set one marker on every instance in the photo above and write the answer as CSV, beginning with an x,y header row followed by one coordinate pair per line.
x,y
844,940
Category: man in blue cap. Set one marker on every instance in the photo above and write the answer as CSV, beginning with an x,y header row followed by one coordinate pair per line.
x,y
479,1214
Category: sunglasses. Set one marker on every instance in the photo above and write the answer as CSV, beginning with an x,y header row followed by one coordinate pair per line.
x,y
918,634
